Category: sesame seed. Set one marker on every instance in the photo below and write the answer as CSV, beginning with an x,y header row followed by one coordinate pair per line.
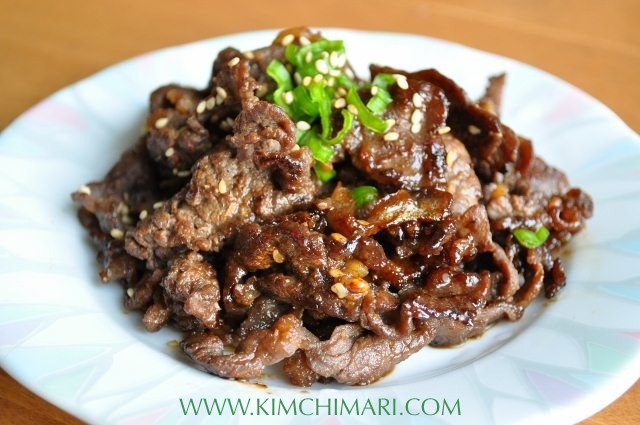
x,y
158,205
341,91
352,108
288,97
317,78
297,78
416,116
417,100
277,256
295,148
339,237
162,122
333,59
349,73
342,60
84,189
287,39
444,130
183,173
324,54
390,123
474,130
364,222
304,41
306,81
130,292
415,128
221,92
335,72
308,57
222,186
249,55
339,290
340,103
201,107
401,81
117,234
374,90
451,157
322,66
210,103
169,152
391,136
234,61
303,125
143,214
335,272
330,81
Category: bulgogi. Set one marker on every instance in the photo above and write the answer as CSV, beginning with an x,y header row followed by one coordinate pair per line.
x,y
292,212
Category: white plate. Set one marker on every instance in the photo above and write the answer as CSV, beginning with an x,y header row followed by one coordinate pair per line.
x,y
63,334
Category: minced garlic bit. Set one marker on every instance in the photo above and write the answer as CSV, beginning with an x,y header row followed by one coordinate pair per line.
x,y
161,122
339,237
117,234
335,273
277,256
340,290
222,187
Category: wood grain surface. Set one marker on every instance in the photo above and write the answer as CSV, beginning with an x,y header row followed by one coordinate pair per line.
x,y
47,45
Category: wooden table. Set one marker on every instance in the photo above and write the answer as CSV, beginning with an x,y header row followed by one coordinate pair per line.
x,y
45,46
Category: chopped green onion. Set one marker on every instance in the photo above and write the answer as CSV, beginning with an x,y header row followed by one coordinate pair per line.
x,y
324,174
365,116
362,195
383,80
346,126
306,89
280,75
378,103
319,150
530,239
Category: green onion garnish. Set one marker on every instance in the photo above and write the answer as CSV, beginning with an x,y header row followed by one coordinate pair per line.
x,y
530,239
308,92
323,173
362,195
365,116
